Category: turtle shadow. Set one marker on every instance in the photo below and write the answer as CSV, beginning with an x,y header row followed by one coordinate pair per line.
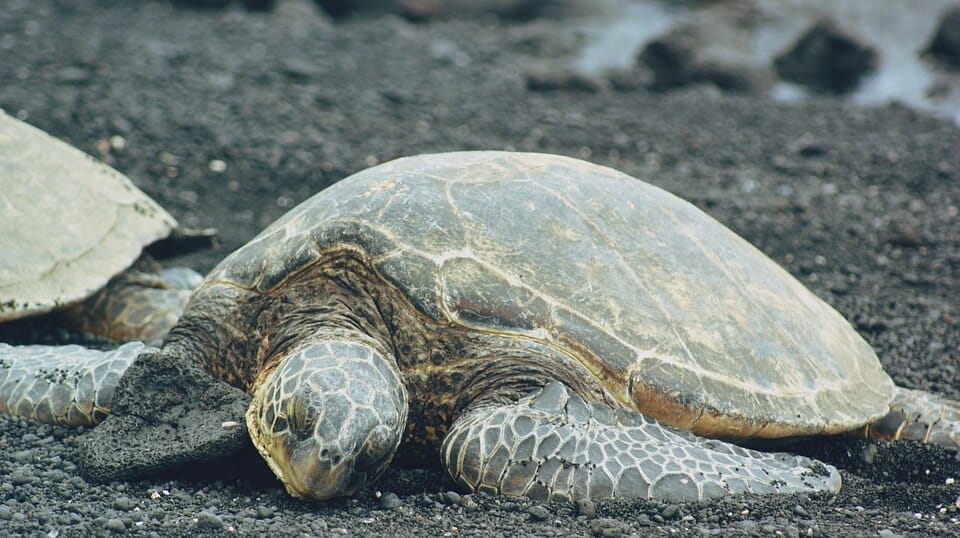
x,y
904,461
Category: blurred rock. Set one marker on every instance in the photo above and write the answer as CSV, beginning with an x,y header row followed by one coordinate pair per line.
x,y
563,79
827,59
945,45
253,5
516,10
701,52
203,3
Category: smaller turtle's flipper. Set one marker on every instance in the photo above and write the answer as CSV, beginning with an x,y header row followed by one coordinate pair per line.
x,y
919,415
61,384
552,445
134,305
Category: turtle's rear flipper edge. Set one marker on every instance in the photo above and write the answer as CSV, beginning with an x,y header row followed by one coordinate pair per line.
x,y
918,415
168,414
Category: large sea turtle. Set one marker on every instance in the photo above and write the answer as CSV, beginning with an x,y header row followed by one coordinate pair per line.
x,y
73,234
548,327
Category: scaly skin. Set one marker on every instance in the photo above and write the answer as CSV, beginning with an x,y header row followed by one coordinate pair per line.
x,y
135,305
918,415
329,419
61,384
552,445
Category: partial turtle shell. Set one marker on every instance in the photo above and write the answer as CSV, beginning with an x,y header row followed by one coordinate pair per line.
x,y
69,222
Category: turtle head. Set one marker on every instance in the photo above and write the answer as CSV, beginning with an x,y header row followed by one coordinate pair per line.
x,y
329,418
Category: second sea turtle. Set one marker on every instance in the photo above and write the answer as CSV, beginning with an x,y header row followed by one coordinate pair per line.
x,y
74,231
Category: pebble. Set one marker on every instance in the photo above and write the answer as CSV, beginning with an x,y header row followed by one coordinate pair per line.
x,y
586,508
670,512
538,512
20,477
123,503
452,497
209,520
115,524
390,501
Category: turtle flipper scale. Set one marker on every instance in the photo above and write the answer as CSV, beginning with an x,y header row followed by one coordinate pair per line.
x,y
61,384
552,445
918,415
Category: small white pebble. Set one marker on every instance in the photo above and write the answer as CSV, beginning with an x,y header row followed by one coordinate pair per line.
x,y
118,142
950,480
216,166
229,424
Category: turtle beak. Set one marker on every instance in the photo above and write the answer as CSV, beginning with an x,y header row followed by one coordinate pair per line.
x,y
317,442
328,418
309,470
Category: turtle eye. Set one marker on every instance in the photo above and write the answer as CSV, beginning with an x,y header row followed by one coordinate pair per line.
x,y
302,418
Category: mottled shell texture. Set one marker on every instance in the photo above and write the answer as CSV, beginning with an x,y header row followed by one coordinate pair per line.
x,y
667,307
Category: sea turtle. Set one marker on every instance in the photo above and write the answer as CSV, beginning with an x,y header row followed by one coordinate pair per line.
x,y
548,327
70,225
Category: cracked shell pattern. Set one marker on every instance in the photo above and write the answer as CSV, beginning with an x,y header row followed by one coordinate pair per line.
x,y
552,445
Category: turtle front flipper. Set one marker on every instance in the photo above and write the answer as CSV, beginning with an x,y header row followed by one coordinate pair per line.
x,y
61,384
552,445
918,415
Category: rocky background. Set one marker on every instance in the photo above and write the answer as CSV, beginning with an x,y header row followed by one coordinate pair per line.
x,y
231,113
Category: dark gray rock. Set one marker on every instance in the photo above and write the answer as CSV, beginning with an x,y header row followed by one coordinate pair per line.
x,y
538,512
168,414
945,45
695,54
390,501
253,5
115,525
563,80
209,520
514,10
827,59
